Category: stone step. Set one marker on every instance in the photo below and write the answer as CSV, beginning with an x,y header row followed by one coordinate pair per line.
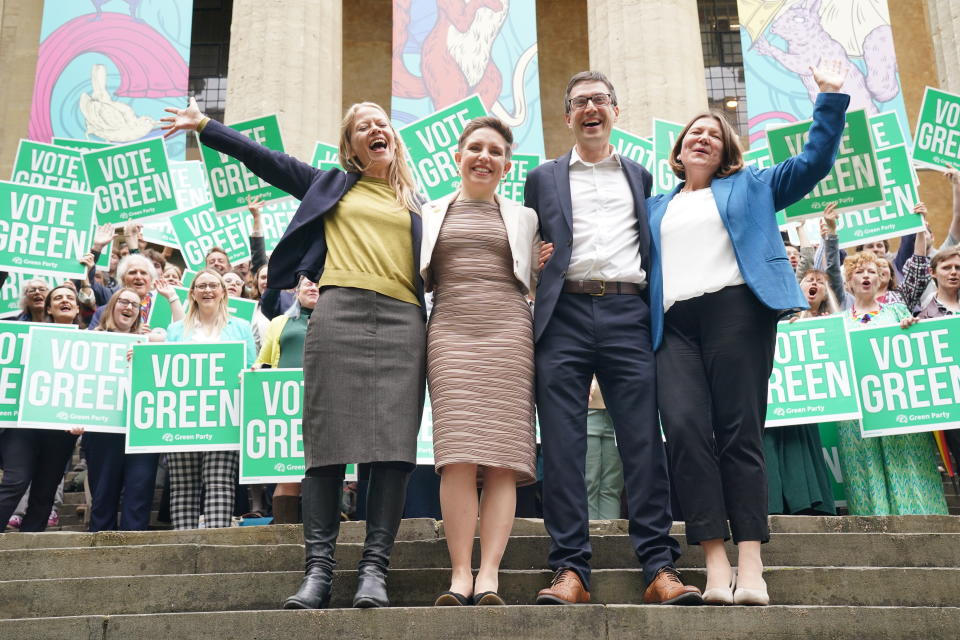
x,y
427,529
522,553
848,586
611,622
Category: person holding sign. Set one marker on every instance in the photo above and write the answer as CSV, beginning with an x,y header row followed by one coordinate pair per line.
x,y
36,458
356,233
710,321
478,257
886,475
283,348
214,473
111,471
137,272
592,317
33,299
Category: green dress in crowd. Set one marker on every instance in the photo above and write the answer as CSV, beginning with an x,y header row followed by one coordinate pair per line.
x,y
291,340
889,475
797,475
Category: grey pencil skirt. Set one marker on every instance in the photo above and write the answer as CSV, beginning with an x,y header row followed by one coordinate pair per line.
x,y
364,376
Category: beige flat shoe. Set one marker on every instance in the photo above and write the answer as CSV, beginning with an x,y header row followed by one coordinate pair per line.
x,y
752,597
721,595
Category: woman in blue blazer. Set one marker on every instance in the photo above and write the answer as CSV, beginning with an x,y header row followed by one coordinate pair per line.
x,y
718,279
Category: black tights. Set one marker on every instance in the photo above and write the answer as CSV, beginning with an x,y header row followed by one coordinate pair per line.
x,y
340,470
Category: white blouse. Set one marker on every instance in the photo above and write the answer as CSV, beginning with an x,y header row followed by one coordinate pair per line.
x,y
698,256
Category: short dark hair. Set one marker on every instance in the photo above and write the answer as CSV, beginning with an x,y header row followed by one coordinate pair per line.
x,y
587,76
487,122
731,160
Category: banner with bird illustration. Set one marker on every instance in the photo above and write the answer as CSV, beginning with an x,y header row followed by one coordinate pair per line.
x,y
107,68
444,51
783,39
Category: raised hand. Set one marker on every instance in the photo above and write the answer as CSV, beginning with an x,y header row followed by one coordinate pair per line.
x,y
953,175
183,119
920,209
102,236
255,205
829,219
829,76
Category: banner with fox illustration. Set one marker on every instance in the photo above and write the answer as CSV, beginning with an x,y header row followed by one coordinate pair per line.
x,y
445,51
782,39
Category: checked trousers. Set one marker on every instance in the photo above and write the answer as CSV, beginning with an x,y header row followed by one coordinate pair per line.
x,y
212,474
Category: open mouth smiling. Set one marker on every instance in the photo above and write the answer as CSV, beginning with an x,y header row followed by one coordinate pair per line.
x,y
378,144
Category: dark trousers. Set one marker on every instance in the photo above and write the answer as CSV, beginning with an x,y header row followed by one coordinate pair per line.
x,y
712,374
610,336
112,472
32,458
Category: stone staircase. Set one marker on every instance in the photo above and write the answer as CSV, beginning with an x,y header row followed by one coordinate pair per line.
x,y
830,577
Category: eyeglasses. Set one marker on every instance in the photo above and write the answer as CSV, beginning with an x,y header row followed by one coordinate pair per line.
x,y
598,100
123,302
204,286
33,290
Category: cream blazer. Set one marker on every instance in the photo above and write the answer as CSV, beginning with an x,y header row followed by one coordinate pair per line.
x,y
520,222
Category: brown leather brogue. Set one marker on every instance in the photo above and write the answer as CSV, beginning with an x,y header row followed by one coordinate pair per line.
x,y
668,588
566,588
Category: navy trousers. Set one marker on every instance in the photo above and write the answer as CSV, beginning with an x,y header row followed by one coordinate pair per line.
x,y
32,458
112,472
609,336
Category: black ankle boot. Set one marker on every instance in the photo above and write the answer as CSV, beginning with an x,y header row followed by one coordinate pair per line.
x,y
321,524
386,495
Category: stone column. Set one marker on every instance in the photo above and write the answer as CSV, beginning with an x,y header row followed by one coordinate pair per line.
x,y
286,58
944,21
651,51
19,41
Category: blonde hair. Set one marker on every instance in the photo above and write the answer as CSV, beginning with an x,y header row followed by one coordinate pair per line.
x,y
191,318
399,175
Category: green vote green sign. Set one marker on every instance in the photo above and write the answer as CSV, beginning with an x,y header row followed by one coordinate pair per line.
x,y
44,231
48,165
231,182
185,396
199,229
885,129
830,446
275,218
511,187
664,136
936,143
909,379
895,217
638,149
13,357
425,435
760,158
76,379
325,157
80,145
853,182
131,181
271,438
432,143
812,378
190,186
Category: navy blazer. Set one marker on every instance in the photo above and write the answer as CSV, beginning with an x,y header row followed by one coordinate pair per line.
x,y
748,201
547,191
303,248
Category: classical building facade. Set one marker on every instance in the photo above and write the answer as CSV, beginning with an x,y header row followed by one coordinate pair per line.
x,y
309,59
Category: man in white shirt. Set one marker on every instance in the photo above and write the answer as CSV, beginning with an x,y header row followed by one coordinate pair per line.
x,y
591,317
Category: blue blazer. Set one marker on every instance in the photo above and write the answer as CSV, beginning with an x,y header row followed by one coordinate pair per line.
x,y
748,201
302,250
547,191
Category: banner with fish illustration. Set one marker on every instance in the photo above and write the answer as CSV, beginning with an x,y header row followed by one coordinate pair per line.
x,y
447,50
107,68
782,39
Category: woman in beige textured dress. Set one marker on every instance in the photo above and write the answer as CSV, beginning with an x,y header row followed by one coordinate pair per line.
x,y
477,257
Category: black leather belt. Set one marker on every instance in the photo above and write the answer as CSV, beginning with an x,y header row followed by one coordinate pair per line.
x,y
601,287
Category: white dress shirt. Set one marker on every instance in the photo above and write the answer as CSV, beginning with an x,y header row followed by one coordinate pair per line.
x,y
606,242
698,256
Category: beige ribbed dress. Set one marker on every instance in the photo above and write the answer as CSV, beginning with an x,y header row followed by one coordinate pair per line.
x,y
480,347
